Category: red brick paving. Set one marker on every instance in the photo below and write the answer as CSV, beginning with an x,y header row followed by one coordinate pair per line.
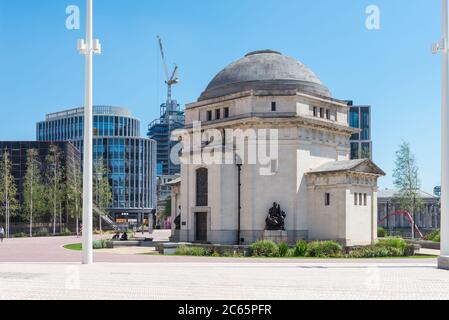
x,y
50,250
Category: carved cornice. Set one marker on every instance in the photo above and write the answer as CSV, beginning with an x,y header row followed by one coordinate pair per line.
x,y
266,120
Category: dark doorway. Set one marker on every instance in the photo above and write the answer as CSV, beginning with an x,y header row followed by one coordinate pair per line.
x,y
201,227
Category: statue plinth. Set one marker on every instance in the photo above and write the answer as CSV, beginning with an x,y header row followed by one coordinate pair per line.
x,y
176,236
277,236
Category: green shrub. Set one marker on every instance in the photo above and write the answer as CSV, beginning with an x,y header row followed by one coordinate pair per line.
x,y
375,252
65,233
396,243
393,242
192,251
42,233
433,236
409,251
265,248
301,248
291,253
102,244
437,238
20,235
283,249
382,233
97,244
324,249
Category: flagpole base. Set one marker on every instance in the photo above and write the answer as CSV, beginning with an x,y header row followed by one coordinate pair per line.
x,y
443,262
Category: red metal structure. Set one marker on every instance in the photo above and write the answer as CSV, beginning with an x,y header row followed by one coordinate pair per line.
x,y
407,215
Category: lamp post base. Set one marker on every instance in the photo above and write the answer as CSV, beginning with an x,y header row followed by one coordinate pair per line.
x,y
443,262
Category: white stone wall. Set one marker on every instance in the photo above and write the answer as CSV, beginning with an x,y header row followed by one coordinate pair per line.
x,y
360,222
302,148
327,222
342,220
256,104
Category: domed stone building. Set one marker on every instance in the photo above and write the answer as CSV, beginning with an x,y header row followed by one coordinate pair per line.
x,y
323,194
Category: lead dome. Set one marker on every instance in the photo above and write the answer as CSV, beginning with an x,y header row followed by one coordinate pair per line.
x,y
265,70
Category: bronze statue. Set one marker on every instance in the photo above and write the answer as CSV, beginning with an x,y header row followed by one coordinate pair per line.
x,y
276,218
177,222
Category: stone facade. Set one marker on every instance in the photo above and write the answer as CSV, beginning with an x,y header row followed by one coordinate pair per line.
x,y
312,132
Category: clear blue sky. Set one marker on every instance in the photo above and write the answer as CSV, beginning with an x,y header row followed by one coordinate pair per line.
x,y
391,69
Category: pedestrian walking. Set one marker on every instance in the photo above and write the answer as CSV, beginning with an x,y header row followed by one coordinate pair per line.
x,y
2,234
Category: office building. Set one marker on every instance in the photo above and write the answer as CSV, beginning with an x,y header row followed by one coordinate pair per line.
x,y
361,143
17,151
130,159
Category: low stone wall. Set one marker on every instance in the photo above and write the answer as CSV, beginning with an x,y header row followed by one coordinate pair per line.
x,y
170,248
426,244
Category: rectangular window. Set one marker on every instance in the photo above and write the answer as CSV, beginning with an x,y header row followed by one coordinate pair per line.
x,y
366,150
226,112
327,199
365,124
217,114
354,121
209,115
328,114
354,150
321,112
356,199
273,107
361,199
365,199
315,111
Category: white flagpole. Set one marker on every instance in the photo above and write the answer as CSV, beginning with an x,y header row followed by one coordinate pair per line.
x,y
88,48
443,261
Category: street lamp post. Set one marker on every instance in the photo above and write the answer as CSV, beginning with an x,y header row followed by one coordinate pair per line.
x,y
388,216
88,47
443,47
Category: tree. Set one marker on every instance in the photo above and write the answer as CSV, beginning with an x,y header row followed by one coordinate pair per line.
x,y
75,191
102,188
406,180
54,175
8,190
33,189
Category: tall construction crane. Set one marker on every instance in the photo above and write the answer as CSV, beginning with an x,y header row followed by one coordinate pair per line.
x,y
170,80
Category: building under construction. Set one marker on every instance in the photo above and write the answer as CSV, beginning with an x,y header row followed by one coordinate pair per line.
x,y
171,118
160,130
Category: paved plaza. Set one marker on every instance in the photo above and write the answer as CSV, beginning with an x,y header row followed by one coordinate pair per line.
x,y
42,269
223,281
